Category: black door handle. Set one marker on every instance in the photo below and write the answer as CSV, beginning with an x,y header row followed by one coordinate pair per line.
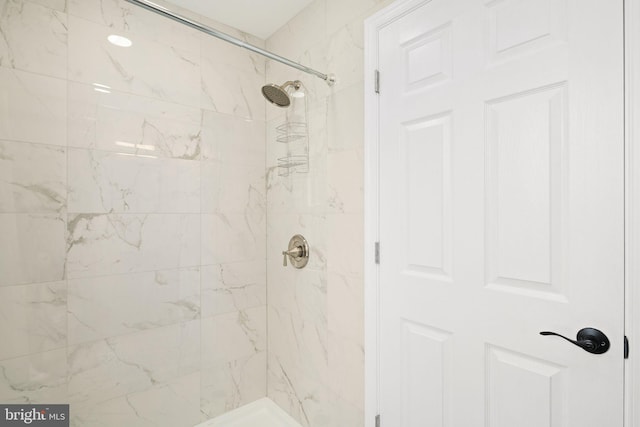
x,y
589,339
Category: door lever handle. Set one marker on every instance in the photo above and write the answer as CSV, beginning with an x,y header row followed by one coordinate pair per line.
x,y
589,339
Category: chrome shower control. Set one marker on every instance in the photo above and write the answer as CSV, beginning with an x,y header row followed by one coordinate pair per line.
x,y
292,253
298,252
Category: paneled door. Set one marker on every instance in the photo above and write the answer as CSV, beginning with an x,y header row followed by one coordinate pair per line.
x,y
501,170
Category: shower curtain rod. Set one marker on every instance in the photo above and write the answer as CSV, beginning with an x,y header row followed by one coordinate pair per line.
x,y
146,4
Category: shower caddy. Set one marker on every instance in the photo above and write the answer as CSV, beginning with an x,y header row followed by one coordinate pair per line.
x,y
294,133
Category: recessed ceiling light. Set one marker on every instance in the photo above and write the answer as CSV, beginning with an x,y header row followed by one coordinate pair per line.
x,y
119,40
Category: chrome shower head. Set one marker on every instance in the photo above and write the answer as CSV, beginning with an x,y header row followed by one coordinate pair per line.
x,y
278,95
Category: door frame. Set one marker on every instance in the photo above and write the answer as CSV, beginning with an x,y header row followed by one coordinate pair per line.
x,y
372,26
632,214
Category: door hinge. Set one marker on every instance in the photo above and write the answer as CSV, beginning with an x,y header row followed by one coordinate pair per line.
x,y
377,420
377,81
377,253
626,347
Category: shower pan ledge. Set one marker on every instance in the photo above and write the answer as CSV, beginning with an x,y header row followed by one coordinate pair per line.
x,y
262,412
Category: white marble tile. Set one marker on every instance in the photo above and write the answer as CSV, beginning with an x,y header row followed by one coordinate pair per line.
x,y
341,13
306,29
102,181
32,318
227,386
234,236
127,331
311,403
175,404
146,68
297,318
97,373
300,397
345,119
326,319
59,5
34,38
334,410
233,178
311,299
302,193
232,31
114,367
36,378
109,306
32,107
345,181
32,248
121,16
346,369
273,148
233,187
233,352
345,306
345,55
232,91
317,56
345,244
233,360
234,336
281,291
318,129
110,120
299,341
234,56
233,140
312,226
232,287
101,244
33,178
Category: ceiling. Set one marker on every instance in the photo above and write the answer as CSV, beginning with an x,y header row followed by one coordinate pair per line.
x,y
264,17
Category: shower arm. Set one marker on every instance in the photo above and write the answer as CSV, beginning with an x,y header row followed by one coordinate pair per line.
x,y
153,7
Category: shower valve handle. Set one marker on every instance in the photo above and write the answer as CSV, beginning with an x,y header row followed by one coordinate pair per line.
x,y
294,253
297,251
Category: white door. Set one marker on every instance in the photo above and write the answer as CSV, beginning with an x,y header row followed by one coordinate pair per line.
x,y
501,213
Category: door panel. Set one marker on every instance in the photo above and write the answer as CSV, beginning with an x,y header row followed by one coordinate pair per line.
x,y
426,190
426,385
501,213
545,383
525,169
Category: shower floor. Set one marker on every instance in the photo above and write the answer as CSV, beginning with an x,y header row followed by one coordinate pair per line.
x,y
261,413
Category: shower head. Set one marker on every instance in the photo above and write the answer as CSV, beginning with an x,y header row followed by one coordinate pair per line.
x,y
278,95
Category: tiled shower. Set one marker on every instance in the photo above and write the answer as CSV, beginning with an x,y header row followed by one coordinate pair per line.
x,y
142,217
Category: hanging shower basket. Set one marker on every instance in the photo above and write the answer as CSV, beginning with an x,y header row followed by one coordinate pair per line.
x,y
294,134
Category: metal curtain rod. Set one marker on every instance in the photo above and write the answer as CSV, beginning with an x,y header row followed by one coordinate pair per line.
x,y
146,4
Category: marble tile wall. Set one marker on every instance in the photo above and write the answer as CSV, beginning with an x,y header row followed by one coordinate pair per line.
x,y
315,315
132,216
